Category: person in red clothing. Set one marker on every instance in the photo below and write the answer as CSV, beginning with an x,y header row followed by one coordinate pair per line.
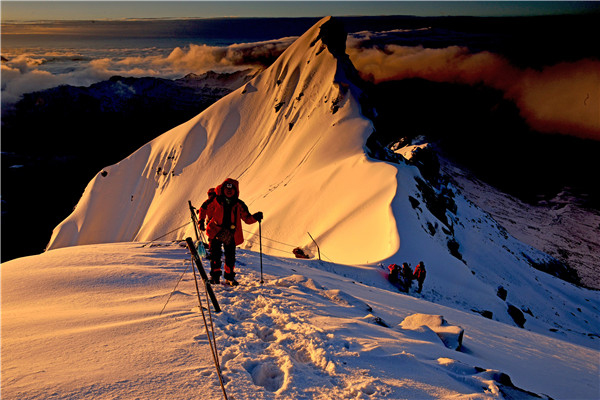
x,y
394,271
224,215
420,274
202,211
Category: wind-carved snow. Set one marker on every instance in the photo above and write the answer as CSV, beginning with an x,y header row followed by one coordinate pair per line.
x,y
280,337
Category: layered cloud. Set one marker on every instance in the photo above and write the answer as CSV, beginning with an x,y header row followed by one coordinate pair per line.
x,y
562,98
25,74
31,72
201,58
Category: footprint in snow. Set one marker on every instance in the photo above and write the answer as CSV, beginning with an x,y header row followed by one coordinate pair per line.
x,y
266,334
266,374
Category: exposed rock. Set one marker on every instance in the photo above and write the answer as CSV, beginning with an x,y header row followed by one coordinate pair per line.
x,y
333,35
501,292
375,320
453,247
493,380
516,315
484,313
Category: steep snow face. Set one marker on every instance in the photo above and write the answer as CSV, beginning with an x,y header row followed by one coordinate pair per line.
x,y
293,137
560,227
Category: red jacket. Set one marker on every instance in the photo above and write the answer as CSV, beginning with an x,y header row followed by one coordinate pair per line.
x,y
239,211
202,211
394,270
420,272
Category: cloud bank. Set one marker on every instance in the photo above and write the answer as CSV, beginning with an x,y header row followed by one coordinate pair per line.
x,y
31,72
562,98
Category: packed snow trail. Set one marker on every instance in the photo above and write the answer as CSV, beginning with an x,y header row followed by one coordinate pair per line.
x,y
278,337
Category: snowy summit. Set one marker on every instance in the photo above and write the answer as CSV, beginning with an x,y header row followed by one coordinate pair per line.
x,y
83,320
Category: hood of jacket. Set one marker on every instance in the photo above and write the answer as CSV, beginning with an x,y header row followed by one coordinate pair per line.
x,y
236,186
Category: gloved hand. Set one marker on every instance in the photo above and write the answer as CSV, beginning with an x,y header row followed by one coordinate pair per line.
x,y
258,216
201,225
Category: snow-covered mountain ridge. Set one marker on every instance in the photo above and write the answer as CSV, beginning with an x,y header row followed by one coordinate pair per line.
x,y
295,137
285,124
127,110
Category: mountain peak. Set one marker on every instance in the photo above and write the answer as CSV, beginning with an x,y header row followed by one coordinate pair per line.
x,y
295,118
333,34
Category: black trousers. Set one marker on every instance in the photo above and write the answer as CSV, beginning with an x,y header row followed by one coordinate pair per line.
x,y
214,246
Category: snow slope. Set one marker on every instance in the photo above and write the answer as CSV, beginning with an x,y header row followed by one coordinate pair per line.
x,y
83,322
293,137
560,226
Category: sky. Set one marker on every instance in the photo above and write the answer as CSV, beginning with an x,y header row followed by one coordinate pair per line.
x,y
82,10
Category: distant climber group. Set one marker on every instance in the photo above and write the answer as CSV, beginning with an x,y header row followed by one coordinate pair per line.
x,y
403,276
224,212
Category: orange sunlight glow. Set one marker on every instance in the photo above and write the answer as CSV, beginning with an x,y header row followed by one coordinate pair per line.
x,y
561,98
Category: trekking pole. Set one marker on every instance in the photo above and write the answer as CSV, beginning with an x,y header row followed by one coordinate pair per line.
x,y
194,219
211,340
260,246
318,249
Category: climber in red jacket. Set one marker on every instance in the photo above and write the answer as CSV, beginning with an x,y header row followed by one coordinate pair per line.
x,y
420,274
224,228
394,271
202,210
